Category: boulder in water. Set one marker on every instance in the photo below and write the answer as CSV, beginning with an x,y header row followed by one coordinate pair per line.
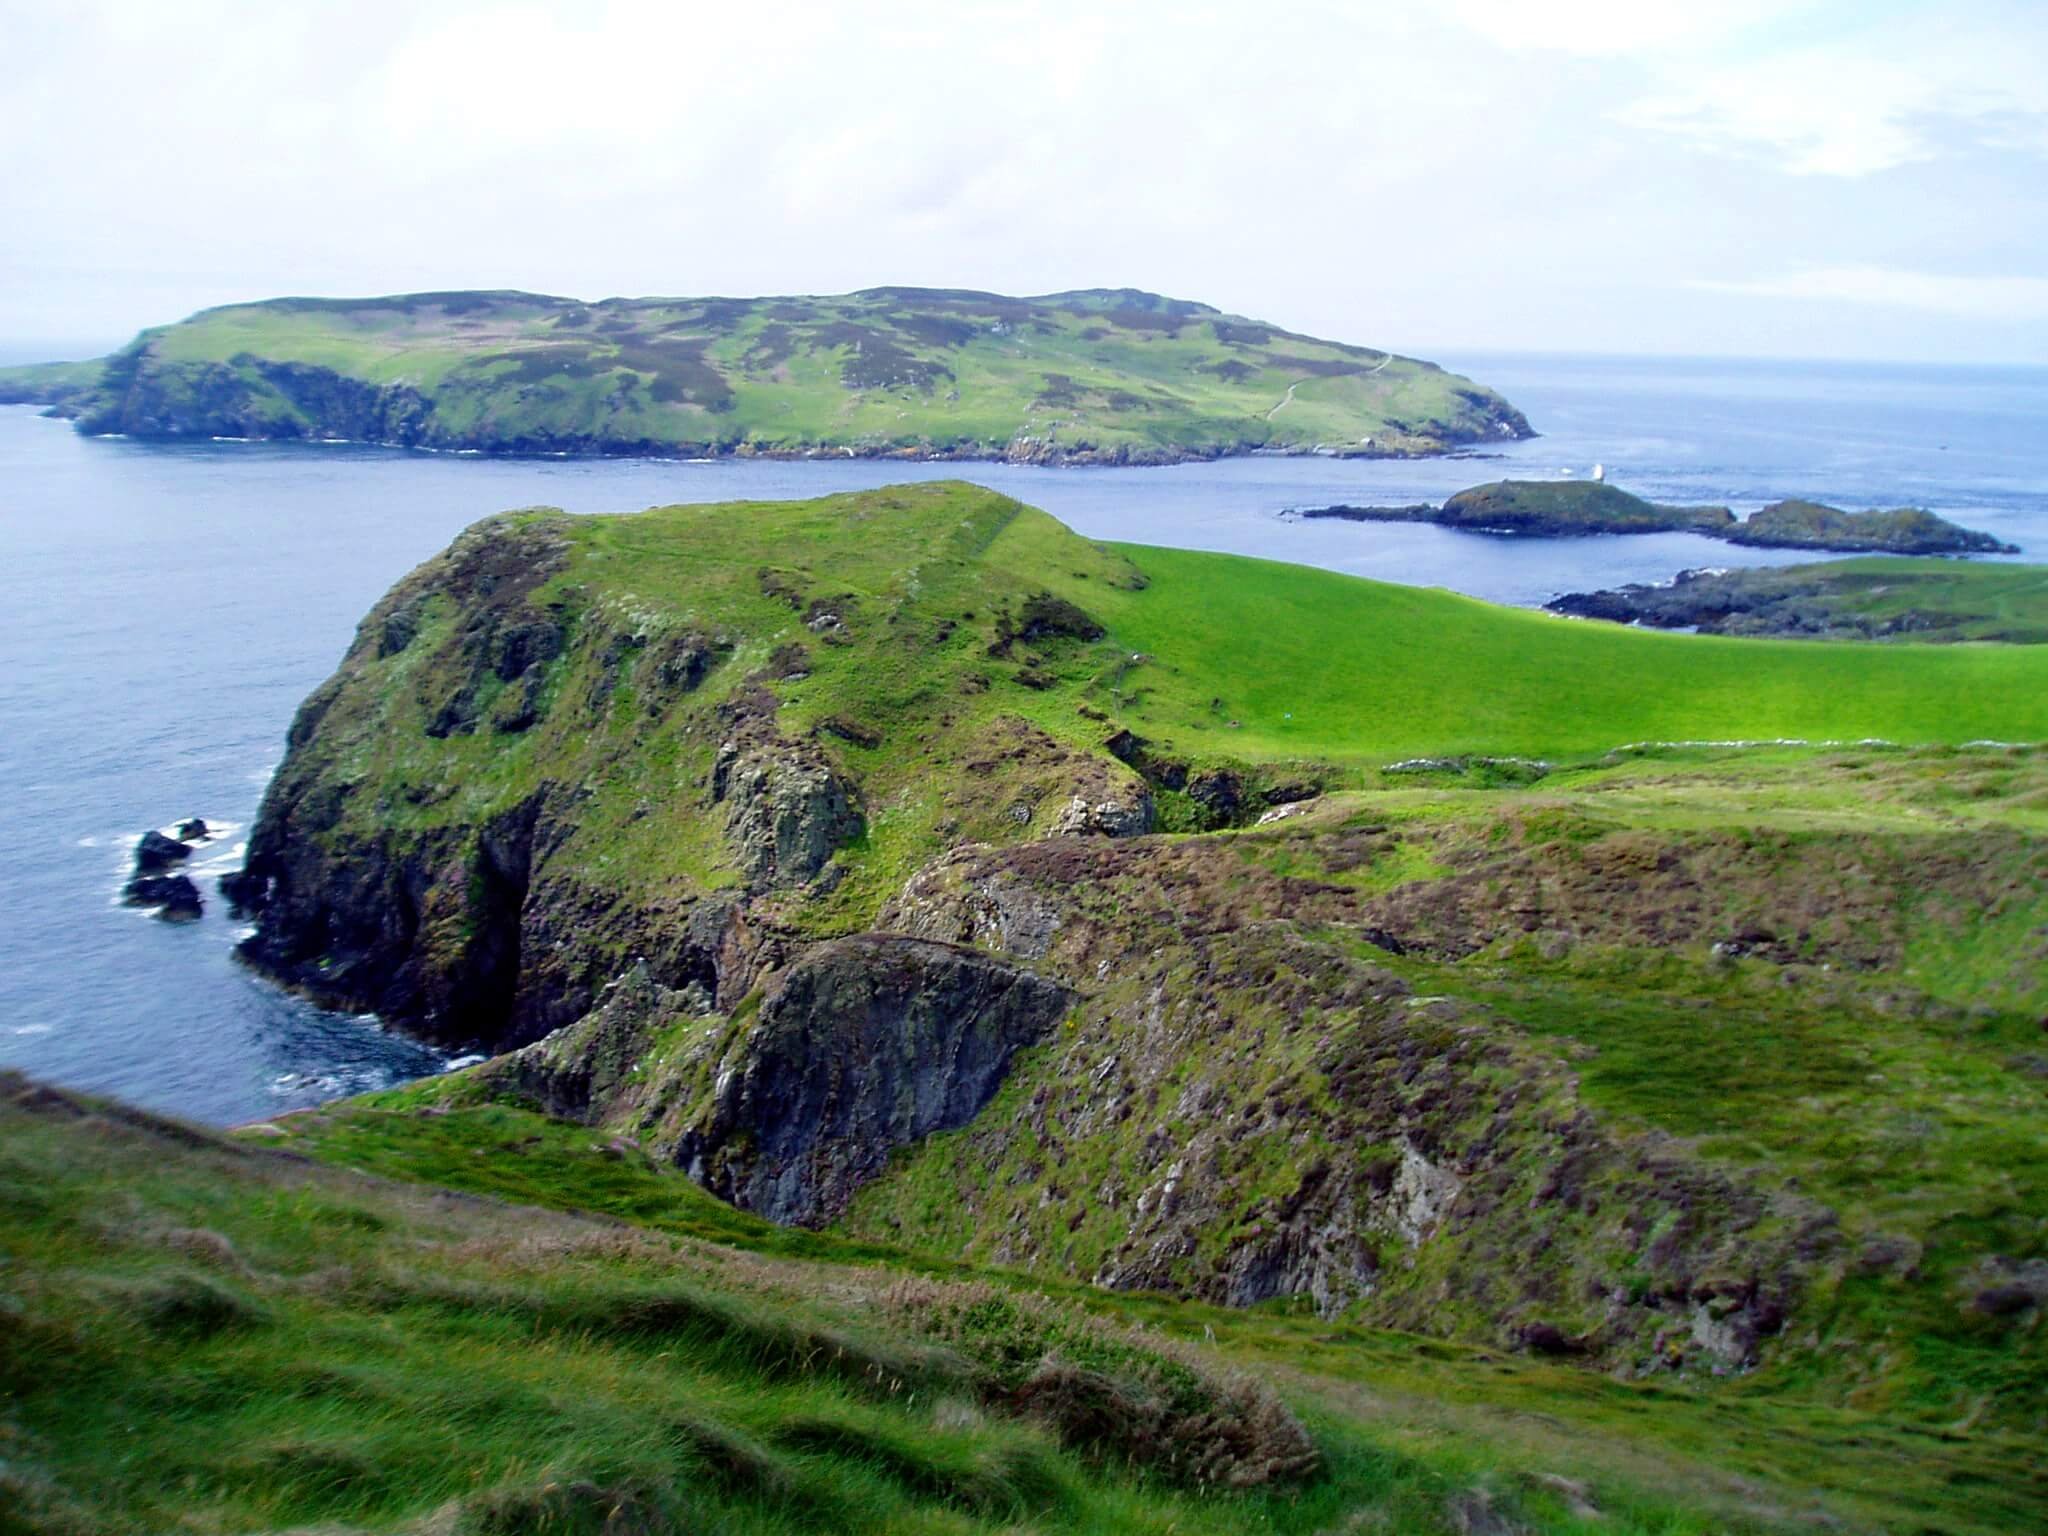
x,y
175,897
156,853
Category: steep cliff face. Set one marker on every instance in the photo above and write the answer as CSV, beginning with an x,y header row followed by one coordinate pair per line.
x,y
360,905
861,1046
250,396
856,1047
526,774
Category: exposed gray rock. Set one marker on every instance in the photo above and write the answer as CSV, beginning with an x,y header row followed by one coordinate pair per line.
x,y
586,1065
862,1045
951,902
787,811
1130,816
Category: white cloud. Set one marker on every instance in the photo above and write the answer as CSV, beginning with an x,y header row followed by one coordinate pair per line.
x,y
1972,298
1599,27
1870,100
1396,175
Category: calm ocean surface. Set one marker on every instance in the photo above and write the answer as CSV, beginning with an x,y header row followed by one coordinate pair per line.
x,y
166,608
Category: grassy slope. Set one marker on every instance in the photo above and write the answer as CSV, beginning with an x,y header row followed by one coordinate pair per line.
x,y
222,1340
1316,663
47,383
980,375
1774,1449
200,1337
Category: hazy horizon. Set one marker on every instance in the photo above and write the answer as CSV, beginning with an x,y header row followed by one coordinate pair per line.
x,y
1808,181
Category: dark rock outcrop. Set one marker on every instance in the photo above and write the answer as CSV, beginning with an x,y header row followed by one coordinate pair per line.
x,y
1835,600
586,1069
175,898
862,1045
156,853
252,397
787,809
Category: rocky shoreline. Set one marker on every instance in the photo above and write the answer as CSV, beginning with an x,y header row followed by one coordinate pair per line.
x,y
1835,600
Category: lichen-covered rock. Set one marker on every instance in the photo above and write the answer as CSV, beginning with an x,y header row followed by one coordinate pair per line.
x,y
787,810
1129,816
958,901
860,1046
589,1066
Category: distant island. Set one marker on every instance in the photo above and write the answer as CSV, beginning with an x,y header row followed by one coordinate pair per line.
x,y
1105,375
1570,508
1871,599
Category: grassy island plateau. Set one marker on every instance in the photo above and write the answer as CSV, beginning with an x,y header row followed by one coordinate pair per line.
x,y
1113,376
988,1030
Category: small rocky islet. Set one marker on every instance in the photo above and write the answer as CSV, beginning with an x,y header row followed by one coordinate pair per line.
x,y
155,883
1574,508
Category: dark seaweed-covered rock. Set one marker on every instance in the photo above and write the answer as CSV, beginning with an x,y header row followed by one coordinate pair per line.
x,y
245,892
156,853
193,830
175,897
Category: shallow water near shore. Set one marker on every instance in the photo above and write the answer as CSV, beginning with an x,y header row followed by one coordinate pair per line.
x,y
168,607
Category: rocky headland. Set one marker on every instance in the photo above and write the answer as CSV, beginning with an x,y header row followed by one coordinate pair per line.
x,y
881,865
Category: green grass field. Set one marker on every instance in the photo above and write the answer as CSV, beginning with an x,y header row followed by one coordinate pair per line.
x,y
206,1338
1326,665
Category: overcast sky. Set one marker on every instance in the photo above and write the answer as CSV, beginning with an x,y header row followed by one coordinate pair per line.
x,y
1863,179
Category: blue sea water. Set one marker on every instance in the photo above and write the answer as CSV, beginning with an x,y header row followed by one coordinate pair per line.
x,y
164,609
